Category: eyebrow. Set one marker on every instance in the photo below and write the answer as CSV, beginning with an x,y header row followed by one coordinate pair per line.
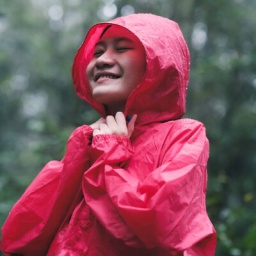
x,y
117,40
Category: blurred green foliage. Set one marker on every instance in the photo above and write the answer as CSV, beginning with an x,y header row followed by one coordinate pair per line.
x,y
39,108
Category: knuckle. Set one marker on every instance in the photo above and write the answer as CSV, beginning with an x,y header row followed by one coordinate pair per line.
x,y
114,131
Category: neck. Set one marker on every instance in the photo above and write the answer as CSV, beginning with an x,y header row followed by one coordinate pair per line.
x,y
112,110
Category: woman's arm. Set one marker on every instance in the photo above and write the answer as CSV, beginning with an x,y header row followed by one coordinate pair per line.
x,y
39,213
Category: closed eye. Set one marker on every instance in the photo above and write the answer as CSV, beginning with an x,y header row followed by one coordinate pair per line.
x,y
98,52
123,49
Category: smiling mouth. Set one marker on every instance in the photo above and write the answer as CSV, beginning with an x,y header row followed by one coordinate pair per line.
x,y
110,76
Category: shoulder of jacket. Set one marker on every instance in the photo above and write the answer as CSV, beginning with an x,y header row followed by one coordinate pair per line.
x,y
185,123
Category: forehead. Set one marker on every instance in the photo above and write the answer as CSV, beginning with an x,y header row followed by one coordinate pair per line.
x,y
115,31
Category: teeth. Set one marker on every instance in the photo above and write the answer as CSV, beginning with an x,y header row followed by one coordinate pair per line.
x,y
107,76
112,77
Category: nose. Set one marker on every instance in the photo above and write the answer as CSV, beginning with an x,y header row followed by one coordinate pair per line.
x,y
105,59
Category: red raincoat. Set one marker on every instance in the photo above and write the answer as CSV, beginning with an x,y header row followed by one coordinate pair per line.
x,y
118,196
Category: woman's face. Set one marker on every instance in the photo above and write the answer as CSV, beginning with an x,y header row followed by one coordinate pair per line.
x,y
117,67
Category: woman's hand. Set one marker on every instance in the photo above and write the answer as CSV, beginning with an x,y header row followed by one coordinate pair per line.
x,y
97,124
116,125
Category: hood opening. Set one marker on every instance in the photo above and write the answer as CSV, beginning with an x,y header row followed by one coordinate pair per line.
x,y
162,93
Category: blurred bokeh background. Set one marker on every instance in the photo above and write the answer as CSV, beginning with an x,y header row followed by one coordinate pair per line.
x,y
39,108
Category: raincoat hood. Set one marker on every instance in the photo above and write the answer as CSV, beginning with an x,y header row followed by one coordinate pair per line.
x,y
161,96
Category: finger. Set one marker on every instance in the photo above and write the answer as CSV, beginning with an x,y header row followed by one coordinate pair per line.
x,y
96,125
102,120
96,132
104,129
112,125
120,118
122,125
131,125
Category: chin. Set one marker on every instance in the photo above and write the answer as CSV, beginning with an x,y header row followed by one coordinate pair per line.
x,y
102,98
104,95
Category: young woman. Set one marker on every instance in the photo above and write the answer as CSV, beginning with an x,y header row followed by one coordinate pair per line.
x,y
134,182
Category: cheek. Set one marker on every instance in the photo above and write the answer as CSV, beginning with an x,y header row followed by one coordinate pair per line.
x,y
89,70
89,75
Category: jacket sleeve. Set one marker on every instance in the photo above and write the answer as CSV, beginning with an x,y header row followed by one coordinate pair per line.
x,y
38,214
166,210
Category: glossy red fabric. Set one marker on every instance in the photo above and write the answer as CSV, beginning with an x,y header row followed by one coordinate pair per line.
x,y
112,195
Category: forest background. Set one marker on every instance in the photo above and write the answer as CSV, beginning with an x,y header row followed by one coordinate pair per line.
x,y
39,108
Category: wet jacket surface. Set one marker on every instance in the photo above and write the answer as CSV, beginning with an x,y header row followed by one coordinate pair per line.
x,y
112,195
